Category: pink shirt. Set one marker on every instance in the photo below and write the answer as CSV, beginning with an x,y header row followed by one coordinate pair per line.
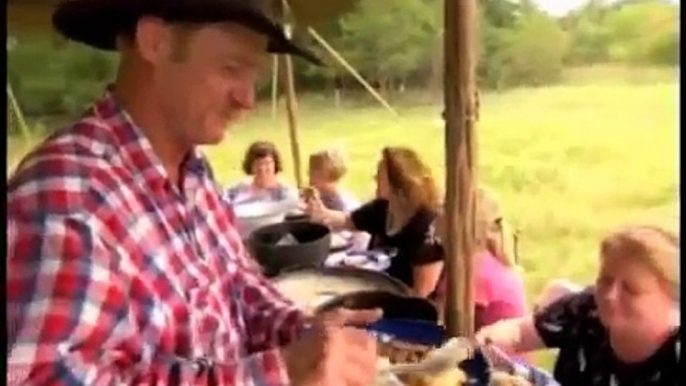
x,y
499,291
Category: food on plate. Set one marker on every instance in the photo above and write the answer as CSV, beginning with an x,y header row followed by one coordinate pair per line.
x,y
501,378
393,352
384,377
452,377
401,352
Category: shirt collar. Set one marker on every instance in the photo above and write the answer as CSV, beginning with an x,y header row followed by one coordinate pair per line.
x,y
136,149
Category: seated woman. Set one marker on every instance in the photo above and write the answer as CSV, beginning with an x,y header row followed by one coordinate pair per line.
x,y
262,163
499,288
327,168
624,330
400,220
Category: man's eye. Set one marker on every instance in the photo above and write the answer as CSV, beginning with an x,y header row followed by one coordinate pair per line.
x,y
231,68
631,289
604,282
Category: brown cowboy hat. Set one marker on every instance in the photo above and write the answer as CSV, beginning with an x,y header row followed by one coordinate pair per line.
x,y
97,23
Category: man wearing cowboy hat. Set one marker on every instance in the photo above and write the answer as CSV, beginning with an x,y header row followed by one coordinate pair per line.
x,y
124,266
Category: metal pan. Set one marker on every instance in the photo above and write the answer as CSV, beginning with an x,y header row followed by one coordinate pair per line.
x,y
310,287
394,306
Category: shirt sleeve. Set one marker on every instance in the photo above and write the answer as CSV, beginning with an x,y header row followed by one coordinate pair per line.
x,y
271,319
426,253
496,311
560,323
425,247
231,192
71,323
371,217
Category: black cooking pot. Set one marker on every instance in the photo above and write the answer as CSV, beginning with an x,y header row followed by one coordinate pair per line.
x,y
297,217
394,306
314,241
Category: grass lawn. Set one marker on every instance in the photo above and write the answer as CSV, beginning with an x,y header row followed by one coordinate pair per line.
x,y
570,162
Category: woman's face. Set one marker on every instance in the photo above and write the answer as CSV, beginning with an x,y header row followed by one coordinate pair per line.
x,y
317,177
264,168
631,298
383,186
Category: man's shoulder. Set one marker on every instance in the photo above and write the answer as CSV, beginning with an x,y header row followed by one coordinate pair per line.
x,y
64,171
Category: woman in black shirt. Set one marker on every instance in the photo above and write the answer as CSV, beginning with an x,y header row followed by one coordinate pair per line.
x,y
625,330
400,220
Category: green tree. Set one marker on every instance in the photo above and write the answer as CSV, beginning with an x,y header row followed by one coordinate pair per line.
x,y
535,51
643,32
387,39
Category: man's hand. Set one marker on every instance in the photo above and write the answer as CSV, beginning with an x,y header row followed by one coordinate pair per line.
x,y
332,353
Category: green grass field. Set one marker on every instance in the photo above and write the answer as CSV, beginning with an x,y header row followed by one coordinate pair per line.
x,y
569,162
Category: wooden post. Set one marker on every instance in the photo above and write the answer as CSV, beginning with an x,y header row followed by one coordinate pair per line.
x,y
275,85
352,70
285,68
460,140
14,108
292,110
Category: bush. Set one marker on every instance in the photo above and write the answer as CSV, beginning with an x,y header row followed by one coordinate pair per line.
x,y
534,52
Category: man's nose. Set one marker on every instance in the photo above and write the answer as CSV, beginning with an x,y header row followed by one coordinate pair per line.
x,y
244,95
611,293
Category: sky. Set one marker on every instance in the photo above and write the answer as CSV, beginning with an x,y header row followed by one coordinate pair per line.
x,y
561,7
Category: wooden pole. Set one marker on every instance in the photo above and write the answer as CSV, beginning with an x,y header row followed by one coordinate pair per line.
x,y
16,110
352,70
292,110
275,85
460,140
286,70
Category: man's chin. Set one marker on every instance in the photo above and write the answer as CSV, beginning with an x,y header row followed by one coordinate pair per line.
x,y
215,136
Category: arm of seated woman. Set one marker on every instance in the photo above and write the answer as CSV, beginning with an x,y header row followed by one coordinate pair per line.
x,y
369,218
512,335
553,327
425,278
336,220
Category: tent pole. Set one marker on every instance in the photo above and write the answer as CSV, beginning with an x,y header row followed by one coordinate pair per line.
x,y
352,70
275,85
288,82
460,140
292,110
14,106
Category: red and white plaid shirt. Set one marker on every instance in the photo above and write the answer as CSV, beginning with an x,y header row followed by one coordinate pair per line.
x,y
115,276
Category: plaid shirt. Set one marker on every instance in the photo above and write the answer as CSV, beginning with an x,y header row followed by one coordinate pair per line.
x,y
115,276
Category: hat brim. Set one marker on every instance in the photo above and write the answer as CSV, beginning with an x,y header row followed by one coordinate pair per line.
x,y
97,23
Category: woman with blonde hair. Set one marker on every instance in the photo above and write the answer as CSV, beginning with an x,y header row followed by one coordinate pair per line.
x,y
400,219
624,330
499,288
326,169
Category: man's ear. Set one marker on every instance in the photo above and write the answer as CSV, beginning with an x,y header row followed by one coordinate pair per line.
x,y
153,38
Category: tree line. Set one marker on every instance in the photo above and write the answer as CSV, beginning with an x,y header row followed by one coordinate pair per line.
x,y
397,44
